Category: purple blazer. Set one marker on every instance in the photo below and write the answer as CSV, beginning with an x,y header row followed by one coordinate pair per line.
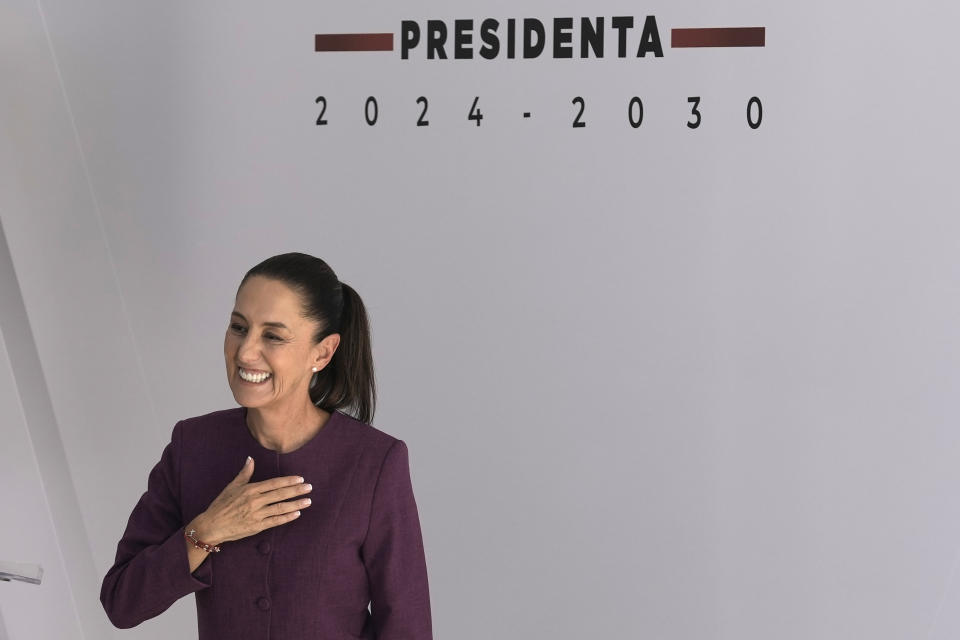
x,y
359,543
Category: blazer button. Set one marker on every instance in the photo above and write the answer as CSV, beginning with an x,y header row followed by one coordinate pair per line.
x,y
264,547
263,603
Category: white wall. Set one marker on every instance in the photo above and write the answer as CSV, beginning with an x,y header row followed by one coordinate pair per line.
x,y
655,382
63,361
36,494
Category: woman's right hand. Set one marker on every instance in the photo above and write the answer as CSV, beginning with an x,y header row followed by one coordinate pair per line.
x,y
243,508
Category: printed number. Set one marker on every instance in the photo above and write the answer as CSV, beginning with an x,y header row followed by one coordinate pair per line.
x,y
371,119
635,112
577,122
750,121
422,120
323,101
475,111
694,111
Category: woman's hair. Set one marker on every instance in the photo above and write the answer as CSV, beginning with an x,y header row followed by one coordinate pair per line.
x,y
347,381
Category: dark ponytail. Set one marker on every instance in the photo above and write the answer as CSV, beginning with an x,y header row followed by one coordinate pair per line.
x,y
347,382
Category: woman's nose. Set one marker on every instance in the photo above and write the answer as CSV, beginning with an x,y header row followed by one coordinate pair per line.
x,y
247,350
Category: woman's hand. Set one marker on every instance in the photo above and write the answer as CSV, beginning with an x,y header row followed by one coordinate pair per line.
x,y
243,509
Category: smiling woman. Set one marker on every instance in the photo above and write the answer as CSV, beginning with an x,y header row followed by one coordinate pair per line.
x,y
273,353
297,354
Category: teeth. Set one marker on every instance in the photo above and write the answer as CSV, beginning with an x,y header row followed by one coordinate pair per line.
x,y
253,377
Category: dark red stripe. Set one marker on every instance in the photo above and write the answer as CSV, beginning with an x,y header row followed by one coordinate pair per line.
x,y
718,37
353,42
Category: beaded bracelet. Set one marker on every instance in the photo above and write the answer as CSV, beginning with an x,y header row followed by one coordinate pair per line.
x,y
189,535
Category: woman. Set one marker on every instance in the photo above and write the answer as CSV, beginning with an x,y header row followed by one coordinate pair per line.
x,y
227,514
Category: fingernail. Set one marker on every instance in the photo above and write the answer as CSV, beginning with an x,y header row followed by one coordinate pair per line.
x,y
298,513
249,460
300,480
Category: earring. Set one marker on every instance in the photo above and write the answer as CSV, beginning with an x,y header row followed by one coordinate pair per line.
x,y
314,369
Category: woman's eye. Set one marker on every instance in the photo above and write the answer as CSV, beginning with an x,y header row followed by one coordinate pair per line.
x,y
241,329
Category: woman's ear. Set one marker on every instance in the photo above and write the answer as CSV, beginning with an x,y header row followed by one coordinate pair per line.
x,y
325,350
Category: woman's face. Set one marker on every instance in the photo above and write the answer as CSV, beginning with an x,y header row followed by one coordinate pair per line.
x,y
271,343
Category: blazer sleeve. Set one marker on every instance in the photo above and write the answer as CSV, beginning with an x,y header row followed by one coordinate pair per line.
x,y
151,570
393,555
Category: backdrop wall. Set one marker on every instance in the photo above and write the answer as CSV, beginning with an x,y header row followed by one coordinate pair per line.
x,y
656,381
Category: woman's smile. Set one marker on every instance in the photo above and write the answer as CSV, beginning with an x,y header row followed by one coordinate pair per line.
x,y
253,377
